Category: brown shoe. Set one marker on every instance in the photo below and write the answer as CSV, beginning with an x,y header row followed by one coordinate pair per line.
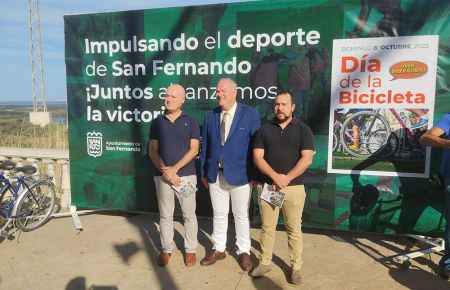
x,y
259,271
163,259
245,262
296,277
212,258
189,259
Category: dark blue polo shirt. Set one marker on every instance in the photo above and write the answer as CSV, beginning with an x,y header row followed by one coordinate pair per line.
x,y
174,140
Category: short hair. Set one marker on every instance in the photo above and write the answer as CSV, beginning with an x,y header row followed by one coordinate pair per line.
x,y
180,87
286,92
233,82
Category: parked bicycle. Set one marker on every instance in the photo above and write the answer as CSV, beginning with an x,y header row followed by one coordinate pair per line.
x,y
25,200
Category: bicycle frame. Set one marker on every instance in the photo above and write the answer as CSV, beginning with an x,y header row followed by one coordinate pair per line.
x,y
372,122
402,124
410,138
15,196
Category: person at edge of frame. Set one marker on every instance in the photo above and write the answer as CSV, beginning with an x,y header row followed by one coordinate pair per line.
x,y
226,169
282,151
174,143
439,136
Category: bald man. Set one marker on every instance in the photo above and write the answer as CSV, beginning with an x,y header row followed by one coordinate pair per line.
x,y
174,143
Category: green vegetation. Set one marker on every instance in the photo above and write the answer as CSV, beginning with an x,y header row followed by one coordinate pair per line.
x,y
21,134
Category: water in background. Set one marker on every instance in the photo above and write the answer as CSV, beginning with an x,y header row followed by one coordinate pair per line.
x,y
20,111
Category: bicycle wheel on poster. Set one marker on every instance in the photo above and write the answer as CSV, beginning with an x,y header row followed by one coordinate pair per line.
x,y
391,147
374,132
335,143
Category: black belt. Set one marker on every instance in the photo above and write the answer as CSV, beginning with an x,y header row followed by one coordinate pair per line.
x,y
220,168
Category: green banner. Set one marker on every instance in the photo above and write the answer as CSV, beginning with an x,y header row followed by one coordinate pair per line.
x,y
120,63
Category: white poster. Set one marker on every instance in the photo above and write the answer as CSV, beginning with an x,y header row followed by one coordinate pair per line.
x,y
382,101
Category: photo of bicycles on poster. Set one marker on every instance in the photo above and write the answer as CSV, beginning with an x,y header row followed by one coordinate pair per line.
x,y
382,101
386,135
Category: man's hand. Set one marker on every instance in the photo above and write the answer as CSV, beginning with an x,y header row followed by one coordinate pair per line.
x,y
169,172
205,182
281,180
175,180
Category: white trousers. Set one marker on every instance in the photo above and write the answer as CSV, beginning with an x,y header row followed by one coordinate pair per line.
x,y
220,192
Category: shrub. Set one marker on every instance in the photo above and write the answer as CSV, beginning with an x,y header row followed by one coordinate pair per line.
x,y
19,134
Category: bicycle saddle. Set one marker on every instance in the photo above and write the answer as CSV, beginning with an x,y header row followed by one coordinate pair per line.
x,y
27,169
7,165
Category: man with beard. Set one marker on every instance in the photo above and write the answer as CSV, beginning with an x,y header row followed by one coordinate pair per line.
x,y
282,151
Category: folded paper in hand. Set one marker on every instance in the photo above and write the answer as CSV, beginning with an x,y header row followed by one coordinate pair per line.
x,y
272,196
186,188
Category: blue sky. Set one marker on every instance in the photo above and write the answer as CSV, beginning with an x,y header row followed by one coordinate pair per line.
x,y
15,74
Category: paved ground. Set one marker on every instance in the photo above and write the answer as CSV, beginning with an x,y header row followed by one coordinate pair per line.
x,y
120,251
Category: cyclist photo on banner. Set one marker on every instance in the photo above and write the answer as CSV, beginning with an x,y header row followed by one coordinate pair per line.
x,y
382,100
384,134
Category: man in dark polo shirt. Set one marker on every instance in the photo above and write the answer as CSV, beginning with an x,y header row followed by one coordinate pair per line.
x,y
282,151
174,143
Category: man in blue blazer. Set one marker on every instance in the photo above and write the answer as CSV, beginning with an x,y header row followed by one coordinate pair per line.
x,y
226,169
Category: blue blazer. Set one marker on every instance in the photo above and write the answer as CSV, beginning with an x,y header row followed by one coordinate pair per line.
x,y
237,150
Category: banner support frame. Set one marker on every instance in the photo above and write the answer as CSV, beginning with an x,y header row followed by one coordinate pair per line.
x,y
438,245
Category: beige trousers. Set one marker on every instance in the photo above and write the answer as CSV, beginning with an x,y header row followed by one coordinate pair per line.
x,y
292,211
166,203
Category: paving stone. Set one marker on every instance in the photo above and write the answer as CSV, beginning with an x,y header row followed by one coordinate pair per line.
x,y
120,252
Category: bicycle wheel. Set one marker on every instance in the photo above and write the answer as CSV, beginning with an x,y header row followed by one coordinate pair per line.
x,y
35,206
375,142
373,136
335,143
391,147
